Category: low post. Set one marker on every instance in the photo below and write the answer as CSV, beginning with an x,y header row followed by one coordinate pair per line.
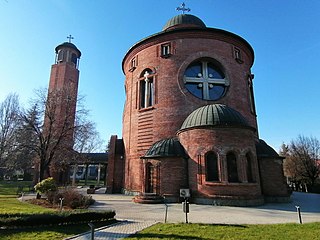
x,y
166,214
299,214
185,207
61,203
92,230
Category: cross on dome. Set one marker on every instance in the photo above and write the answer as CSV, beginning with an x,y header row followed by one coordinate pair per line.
x,y
183,8
70,38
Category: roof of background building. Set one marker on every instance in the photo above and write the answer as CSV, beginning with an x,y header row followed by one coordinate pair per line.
x,y
170,147
184,20
265,151
214,115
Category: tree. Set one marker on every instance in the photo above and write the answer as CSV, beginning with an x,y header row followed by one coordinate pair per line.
x,y
302,160
51,120
9,122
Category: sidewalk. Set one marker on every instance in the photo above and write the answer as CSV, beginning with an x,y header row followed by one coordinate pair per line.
x,y
139,216
118,230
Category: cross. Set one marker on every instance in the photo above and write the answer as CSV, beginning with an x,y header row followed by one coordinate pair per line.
x,y
183,8
206,81
70,37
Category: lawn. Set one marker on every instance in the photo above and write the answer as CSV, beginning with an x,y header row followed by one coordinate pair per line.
x,y
10,204
309,231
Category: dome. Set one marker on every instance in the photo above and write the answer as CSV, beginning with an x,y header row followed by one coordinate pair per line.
x,y
214,115
68,45
184,20
265,151
170,147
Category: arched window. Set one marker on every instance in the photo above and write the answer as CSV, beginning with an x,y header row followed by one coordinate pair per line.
x,y
212,170
146,89
249,168
205,80
232,167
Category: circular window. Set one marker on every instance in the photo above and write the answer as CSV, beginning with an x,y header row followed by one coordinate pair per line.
x,y
204,80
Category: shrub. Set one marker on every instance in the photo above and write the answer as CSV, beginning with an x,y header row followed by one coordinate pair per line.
x,y
71,198
45,186
41,219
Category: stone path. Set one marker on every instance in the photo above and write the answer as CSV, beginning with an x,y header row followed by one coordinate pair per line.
x,y
118,230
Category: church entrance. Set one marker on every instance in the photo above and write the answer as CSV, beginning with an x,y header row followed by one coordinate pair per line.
x,y
151,178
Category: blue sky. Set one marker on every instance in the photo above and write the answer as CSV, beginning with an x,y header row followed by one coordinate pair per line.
x,y
284,34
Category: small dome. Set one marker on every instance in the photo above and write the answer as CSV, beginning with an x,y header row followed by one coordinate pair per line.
x,y
68,45
265,151
170,147
184,20
214,115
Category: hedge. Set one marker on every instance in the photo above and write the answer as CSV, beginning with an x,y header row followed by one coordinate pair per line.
x,y
14,220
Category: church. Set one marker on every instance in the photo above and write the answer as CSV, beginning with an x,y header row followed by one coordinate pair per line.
x,y
190,124
189,121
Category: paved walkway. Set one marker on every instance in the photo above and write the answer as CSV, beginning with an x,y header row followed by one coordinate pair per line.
x,y
135,217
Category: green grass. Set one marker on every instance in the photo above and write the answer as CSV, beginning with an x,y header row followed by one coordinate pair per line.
x,y
248,232
47,233
10,204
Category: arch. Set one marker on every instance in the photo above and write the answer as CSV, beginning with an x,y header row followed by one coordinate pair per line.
x,y
212,168
150,178
249,167
146,88
232,167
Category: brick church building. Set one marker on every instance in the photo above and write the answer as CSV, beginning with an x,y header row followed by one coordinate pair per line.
x,y
190,121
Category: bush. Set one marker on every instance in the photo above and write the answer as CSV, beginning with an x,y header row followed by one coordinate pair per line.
x,y
46,185
41,219
71,198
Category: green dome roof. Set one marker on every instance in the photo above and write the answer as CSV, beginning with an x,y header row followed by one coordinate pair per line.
x,y
214,115
184,20
170,147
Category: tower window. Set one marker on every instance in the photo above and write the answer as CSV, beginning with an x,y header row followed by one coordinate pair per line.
x,y
212,171
232,167
147,89
205,80
74,58
166,50
61,56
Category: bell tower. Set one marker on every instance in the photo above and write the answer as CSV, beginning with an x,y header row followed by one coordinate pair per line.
x,y
63,84
61,104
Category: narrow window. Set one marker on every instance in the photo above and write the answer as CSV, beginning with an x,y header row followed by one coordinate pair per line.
x,y
249,168
133,64
74,58
166,50
147,89
61,56
237,55
212,171
232,167
251,95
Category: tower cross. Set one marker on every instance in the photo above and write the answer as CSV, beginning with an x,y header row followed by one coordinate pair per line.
x,y
70,38
183,8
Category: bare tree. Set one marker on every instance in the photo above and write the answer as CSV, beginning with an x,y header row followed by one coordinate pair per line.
x,y
9,122
51,119
302,161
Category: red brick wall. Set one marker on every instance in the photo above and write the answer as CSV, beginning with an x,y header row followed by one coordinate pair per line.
x,y
198,142
272,178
